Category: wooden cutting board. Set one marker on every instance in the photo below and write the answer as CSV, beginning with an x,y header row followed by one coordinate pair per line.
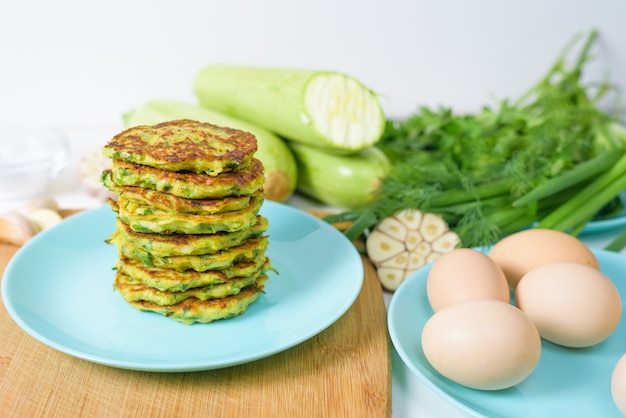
x,y
343,371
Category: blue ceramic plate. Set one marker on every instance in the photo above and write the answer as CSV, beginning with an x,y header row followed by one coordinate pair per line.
x,y
58,288
614,222
618,221
566,383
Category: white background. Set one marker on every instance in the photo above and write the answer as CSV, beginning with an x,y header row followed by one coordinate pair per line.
x,y
81,63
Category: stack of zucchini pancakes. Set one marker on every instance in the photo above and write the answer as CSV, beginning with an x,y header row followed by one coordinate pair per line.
x,y
190,237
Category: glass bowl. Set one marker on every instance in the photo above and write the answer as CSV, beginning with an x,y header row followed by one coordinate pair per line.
x,y
30,158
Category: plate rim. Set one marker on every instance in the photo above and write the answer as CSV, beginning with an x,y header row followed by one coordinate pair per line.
x,y
392,328
602,225
350,255
414,281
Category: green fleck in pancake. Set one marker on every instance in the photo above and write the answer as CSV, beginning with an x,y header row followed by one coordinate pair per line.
x,y
193,310
133,290
176,204
177,281
190,185
184,145
248,251
150,220
187,244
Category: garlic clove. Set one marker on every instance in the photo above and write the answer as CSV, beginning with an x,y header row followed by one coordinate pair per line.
x,y
432,226
412,219
416,261
391,278
433,256
413,239
381,247
399,261
446,243
423,249
44,218
394,228
16,229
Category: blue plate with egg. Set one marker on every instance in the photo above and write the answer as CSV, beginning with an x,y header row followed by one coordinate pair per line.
x,y
568,382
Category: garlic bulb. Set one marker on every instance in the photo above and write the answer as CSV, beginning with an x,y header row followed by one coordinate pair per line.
x,y
406,241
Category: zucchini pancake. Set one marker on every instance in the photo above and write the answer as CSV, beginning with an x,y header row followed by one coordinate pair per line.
x,y
184,145
190,239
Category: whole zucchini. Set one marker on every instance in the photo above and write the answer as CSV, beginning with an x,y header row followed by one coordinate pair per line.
x,y
343,181
280,166
322,108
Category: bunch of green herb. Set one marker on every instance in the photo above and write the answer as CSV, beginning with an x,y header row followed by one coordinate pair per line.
x,y
551,158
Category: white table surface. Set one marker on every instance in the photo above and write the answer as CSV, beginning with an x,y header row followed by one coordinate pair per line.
x,y
410,397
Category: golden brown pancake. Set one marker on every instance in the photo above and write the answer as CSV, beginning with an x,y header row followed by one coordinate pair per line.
x,y
190,244
133,290
177,281
190,185
193,310
176,204
248,251
147,219
184,145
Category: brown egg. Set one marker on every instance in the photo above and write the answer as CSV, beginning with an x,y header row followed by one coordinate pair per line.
x,y
465,274
482,344
618,384
571,304
521,252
